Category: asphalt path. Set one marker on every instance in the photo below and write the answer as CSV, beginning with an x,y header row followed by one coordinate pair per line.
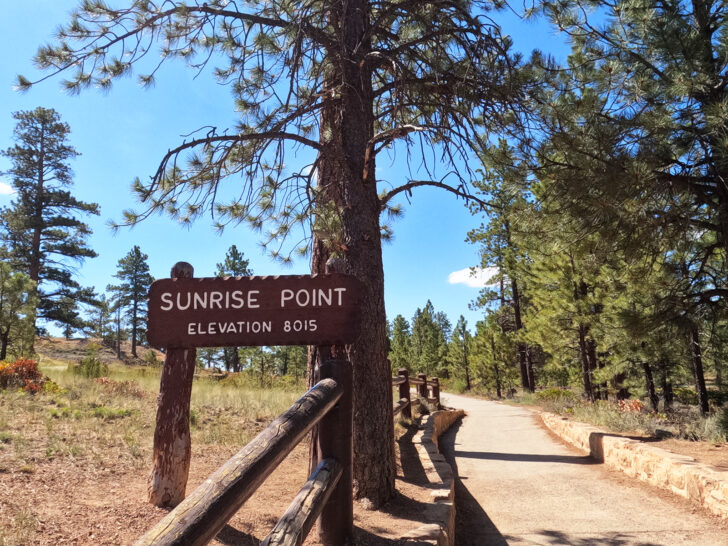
x,y
516,484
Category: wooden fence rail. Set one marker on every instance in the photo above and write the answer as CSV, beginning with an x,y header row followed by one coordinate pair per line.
x,y
328,492
404,382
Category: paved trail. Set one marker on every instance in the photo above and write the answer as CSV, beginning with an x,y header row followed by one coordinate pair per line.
x,y
517,485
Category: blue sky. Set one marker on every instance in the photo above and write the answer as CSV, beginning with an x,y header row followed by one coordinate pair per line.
x,y
123,134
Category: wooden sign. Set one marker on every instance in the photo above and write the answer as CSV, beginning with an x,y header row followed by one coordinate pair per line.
x,y
246,311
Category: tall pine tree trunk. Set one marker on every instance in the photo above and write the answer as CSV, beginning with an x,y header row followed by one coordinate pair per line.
x,y
4,340
696,354
527,380
496,370
134,330
650,385
667,393
585,365
348,188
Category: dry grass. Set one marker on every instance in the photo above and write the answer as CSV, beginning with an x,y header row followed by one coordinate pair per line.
x,y
94,429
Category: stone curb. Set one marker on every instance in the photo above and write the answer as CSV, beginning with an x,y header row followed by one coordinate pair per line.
x,y
441,510
680,474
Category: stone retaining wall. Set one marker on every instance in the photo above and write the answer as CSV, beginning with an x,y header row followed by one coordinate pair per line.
x,y
680,474
441,510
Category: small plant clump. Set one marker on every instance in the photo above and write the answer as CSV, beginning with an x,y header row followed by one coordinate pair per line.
x,y
91,366
24,374
630,406
122,388
557,400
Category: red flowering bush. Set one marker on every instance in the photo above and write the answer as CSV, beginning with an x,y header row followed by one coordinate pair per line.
x,y
22,374
630,406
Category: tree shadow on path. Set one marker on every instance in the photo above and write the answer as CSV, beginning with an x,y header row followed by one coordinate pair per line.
x,y
473,527
525,457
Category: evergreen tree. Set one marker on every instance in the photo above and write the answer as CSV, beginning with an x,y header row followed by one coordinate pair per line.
x,y
17,311
234,265
429,345
400,347
359,76
503,187
494,355
209,357
459,352
290,360
131,294
101,321
40,230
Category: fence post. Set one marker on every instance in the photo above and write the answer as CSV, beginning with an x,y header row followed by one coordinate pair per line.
x,y
422,388
335,440
404,392
172,444
436,390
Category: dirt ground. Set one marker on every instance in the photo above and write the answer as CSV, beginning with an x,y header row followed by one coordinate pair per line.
x,y
87,501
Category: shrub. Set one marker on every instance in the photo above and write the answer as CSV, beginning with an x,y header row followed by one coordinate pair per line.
x,y
630,406
123,388
459,386
556,400
686,396
90,366
22,374
722,422
150,358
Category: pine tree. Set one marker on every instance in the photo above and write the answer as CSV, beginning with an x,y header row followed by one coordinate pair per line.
x,y
40,230
503,186
131,294
459,352
234,265
17,311
400,346
429,340
360,77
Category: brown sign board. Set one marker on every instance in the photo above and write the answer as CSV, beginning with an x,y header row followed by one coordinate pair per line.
x,y
249,311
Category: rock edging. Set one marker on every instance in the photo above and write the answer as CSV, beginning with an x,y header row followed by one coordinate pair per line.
x,y
441,510
680,474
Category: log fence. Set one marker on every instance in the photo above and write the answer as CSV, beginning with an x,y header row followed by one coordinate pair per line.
x,y
326,495
424,388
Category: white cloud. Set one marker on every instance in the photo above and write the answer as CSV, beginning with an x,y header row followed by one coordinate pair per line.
x,y
476,277
6,189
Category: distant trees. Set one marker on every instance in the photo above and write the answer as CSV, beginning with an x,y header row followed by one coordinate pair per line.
x,y
17,311
609,215
41,232
400,346
131,294
460,352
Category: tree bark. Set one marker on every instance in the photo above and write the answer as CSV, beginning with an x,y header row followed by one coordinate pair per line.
x,y
528,382
696,354
348,192
496,370
650,385
667,393
618,385
585,366
4,340
134,330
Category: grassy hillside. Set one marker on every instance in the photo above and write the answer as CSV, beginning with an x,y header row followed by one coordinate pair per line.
x,y
81,437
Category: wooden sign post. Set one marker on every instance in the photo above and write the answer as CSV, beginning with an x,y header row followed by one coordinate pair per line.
x,y
172,444
185,313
